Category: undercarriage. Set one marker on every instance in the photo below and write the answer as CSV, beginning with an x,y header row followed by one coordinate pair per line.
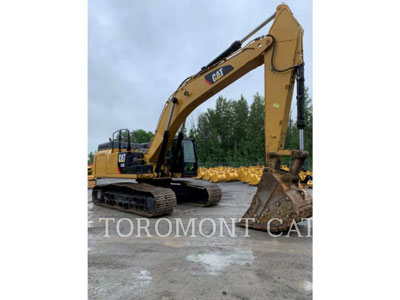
x,y
154,198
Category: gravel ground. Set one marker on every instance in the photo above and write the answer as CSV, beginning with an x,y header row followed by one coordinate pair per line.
x,y
255,267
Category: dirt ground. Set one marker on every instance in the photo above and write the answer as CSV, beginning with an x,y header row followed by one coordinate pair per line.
x,y
255,267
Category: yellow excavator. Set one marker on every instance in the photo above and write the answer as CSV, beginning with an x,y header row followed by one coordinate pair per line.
x,y
155,166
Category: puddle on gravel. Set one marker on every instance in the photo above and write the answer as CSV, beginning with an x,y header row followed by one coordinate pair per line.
x,y
141,279
169,242
174,243
216,261
306,285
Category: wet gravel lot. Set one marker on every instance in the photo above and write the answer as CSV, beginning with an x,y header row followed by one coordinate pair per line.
x,y
141,267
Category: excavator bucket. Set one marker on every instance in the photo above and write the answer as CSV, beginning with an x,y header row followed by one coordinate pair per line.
x,y
278,201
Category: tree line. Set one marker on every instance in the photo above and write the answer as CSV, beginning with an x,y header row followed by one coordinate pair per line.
x,y
233,133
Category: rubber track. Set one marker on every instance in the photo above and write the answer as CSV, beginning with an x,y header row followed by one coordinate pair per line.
x,y
165,199
213,190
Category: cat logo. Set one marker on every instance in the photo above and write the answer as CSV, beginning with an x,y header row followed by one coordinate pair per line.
x,y
216,75
121,158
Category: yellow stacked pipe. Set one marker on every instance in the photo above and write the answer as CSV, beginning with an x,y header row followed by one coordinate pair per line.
x,y
250,175
200,173
232,174
243,173
208,174
219,176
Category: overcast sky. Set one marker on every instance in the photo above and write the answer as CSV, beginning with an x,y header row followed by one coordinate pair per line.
x,y
140,51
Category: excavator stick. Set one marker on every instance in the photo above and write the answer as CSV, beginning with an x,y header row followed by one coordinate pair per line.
x,y
279,201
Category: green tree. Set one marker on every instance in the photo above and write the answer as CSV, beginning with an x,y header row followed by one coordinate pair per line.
x,y
239,125
234,133
255,143
192,132
137,136
90,157
141,136
214,133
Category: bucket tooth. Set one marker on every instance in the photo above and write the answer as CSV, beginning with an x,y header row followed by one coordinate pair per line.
x,y
277,202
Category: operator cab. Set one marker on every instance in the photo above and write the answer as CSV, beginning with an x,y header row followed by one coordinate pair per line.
x,y
184,159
